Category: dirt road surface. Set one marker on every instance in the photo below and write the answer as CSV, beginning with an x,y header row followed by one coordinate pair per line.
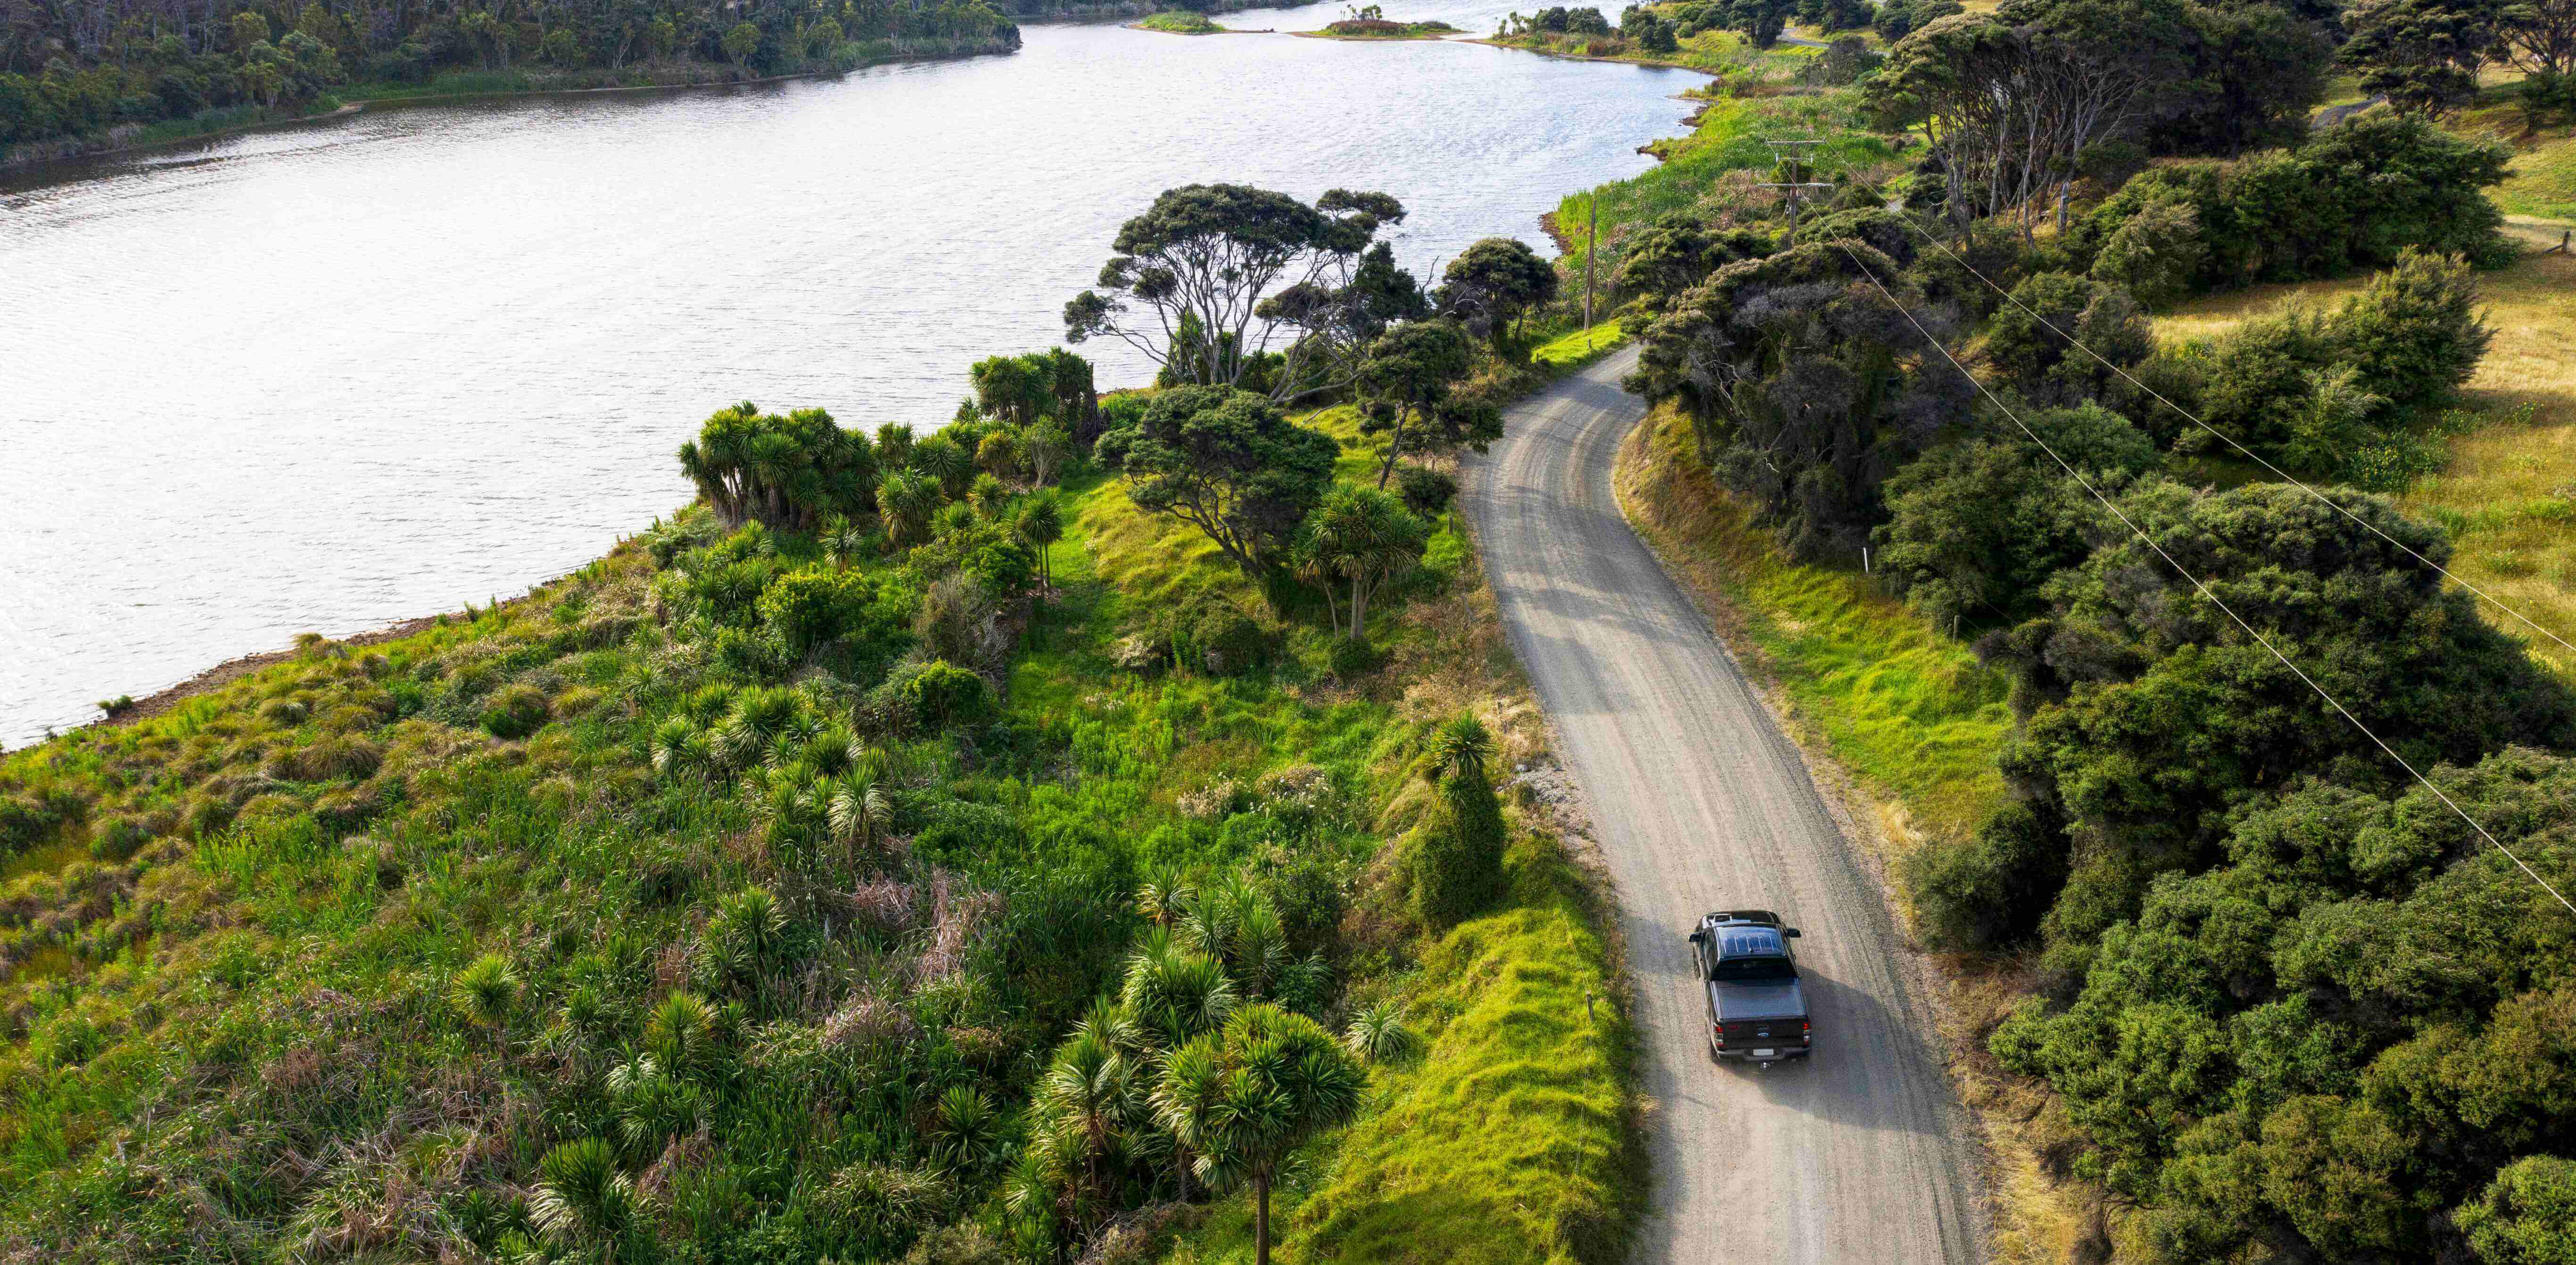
x,y
1860,1155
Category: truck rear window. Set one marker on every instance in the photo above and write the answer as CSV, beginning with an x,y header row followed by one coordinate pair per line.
x,y
1762,968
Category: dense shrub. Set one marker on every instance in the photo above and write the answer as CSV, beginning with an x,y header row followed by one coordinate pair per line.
x,y
1976,529
2032,341
2354,196
1992,891
2152,715
813,606
1426,492
943,695
514,711
2313,390
1454,858
2348,1039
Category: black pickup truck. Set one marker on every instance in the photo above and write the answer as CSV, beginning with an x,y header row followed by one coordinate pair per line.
x,y
1755,1008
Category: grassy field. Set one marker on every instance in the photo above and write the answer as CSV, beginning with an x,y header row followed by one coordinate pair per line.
x,y
2508,494
230,958
1712,170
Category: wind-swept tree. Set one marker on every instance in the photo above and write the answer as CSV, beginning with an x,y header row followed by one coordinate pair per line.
x,y
2423,55
2012,100
1188,284
1243,1100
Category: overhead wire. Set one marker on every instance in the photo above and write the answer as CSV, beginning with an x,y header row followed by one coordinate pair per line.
x,y
2223,436
2197,583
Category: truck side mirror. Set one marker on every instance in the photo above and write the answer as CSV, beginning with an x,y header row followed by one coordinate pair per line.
x,y
1699,937
1791,932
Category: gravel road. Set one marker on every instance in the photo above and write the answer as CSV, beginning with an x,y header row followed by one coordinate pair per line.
x,y
1860,1154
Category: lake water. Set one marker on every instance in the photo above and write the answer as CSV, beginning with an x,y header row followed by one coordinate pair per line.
x,y
327,378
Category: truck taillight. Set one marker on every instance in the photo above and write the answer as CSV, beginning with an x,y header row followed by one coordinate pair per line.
x,y
1806,1029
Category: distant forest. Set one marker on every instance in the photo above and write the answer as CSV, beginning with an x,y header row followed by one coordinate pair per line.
x,y
80,68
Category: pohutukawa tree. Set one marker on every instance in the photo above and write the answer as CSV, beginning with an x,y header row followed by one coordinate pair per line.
x,y
1408,385
1493,284
1211,275
1225,462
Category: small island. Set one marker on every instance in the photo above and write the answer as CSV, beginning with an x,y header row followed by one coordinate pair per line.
x,y
1371,23
1180,22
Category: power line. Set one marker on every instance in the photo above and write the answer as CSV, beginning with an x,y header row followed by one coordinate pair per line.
x,y
2196,582
2230,440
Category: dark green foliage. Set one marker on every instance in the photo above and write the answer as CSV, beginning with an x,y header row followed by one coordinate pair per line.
x,y
2032,342
787,471
2152,715
1199,263
943,695
2254,71
1408,389
2423,55
1454,859
1425,492
1991,892
515,711
2357,195
2358,1020
1899,18
1805,386
1491,285
1976,529
1226,462
1678,252
2314,391
2415,335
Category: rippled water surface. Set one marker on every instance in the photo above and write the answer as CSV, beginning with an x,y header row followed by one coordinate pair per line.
x,y
336,376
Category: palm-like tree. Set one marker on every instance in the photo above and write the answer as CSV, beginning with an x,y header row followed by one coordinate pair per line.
x,y
1166,895
1177,995
860,812
681,1035
1364,537
966,1131
947,461
1091,1095
582,1196
906,501
1380,1035
1243,1100
1039,524
894,445
1459,748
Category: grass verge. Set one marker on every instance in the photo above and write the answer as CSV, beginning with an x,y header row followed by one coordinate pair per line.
x,y
1865,685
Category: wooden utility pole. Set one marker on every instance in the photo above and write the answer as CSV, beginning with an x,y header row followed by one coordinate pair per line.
x,y
1591,247
1794,187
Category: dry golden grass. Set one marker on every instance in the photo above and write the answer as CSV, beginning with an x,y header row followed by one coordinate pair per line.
x,y
2508,496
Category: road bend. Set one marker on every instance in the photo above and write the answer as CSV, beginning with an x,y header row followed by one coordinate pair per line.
x,y
1859,1156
